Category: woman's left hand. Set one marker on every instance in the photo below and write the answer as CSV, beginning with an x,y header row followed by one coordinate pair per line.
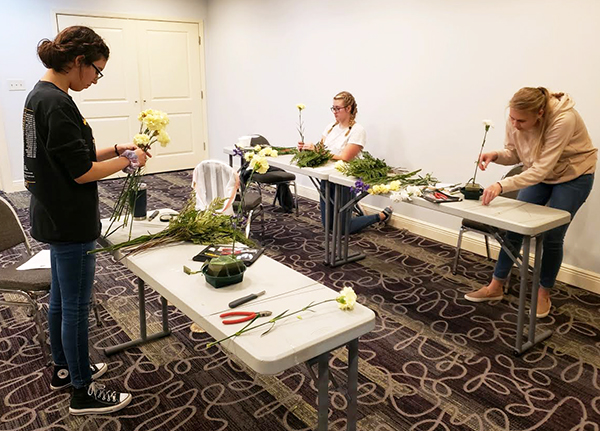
x,y
125,147
490,193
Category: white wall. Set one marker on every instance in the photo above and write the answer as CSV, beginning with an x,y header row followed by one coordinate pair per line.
x,y
24,23
424,73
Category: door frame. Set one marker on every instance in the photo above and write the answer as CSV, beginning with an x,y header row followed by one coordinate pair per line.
x,y
202,59
7,184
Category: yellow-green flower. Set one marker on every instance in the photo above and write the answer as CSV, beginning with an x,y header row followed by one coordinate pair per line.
x,y
153,119
379,189
300,106
248,156
259,164
395,185
163,138
267,152
346,299
257,148
141,139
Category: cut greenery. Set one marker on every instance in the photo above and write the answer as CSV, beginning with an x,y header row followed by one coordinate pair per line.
x,y
373,171
312,158
200,227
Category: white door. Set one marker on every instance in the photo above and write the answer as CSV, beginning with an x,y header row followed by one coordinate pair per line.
x,y
169,61
152,65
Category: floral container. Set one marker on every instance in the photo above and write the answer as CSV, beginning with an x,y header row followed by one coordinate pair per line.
x,y
223,271
472,191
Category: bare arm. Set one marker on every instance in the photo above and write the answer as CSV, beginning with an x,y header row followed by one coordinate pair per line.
x,y
349,153
109,152
108,167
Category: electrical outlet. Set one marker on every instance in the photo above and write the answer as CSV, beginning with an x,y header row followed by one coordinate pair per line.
x,y
16,85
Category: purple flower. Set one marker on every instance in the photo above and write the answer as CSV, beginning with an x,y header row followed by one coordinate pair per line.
x,y
359,187
237,151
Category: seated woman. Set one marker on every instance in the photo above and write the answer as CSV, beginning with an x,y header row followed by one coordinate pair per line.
x,y
549,137
345,138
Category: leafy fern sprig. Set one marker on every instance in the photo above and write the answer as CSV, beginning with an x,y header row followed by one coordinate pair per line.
x,y
313,159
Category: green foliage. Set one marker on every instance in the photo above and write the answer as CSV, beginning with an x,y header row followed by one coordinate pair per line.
x,y
370,169
312,159
373,171
282,151
199,227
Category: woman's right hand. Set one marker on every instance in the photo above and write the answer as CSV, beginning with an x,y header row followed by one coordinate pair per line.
x,y
486,159
305,146
142,156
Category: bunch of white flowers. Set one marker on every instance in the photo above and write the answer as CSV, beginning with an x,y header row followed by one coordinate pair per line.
x,y
341,166
405,194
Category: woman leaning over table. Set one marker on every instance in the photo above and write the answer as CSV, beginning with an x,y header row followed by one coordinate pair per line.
x,y
345,139
62,166
547,135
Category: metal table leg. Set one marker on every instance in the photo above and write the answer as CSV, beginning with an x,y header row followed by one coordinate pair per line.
x,y
532,339
352,384
336,229
342,255
327,217
322,382
325,197
144,338
323,385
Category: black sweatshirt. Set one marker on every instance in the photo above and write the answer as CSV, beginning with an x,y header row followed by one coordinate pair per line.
x,y
59,147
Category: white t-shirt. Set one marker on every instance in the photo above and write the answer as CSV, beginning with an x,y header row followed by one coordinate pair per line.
x,y
336,140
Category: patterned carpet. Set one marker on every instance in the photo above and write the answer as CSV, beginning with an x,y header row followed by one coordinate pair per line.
x,y
433,362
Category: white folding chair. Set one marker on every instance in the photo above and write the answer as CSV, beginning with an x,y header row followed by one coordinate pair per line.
x,y
215,179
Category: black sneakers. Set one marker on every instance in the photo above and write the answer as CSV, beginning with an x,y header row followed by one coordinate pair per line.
x,y
96,399
62,378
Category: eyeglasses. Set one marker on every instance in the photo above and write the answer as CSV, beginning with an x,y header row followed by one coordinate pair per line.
x,y
337,108
98,73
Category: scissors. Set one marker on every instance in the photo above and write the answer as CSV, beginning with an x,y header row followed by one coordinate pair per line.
x,y
248,315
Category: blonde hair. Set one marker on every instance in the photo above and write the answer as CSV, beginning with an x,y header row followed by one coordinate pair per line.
x,y
349,101
535,100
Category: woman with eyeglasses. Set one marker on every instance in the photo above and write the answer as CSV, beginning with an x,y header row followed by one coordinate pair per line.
x,y
345,139
547,135
62,167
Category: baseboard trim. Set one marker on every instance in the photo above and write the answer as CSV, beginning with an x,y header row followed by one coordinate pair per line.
x,y
18,186
474,243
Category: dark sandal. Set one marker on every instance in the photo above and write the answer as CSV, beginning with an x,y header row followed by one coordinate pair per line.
x,y
387,212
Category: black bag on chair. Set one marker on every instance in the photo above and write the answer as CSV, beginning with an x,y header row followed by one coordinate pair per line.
x,y
285,197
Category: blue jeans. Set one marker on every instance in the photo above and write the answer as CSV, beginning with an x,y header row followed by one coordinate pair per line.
x,y
567,196
68,316
356,223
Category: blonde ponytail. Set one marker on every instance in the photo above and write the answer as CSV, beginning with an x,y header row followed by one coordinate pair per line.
x,y
535,100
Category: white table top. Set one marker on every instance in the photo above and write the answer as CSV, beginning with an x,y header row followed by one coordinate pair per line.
x,y
285,162
504,213
291,342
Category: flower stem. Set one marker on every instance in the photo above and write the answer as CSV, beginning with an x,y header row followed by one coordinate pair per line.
x,y
272,320
480,151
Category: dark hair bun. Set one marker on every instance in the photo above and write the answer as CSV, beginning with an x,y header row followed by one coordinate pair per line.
x,y
68,45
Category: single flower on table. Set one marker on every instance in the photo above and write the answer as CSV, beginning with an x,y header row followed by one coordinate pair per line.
x,y
346,301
